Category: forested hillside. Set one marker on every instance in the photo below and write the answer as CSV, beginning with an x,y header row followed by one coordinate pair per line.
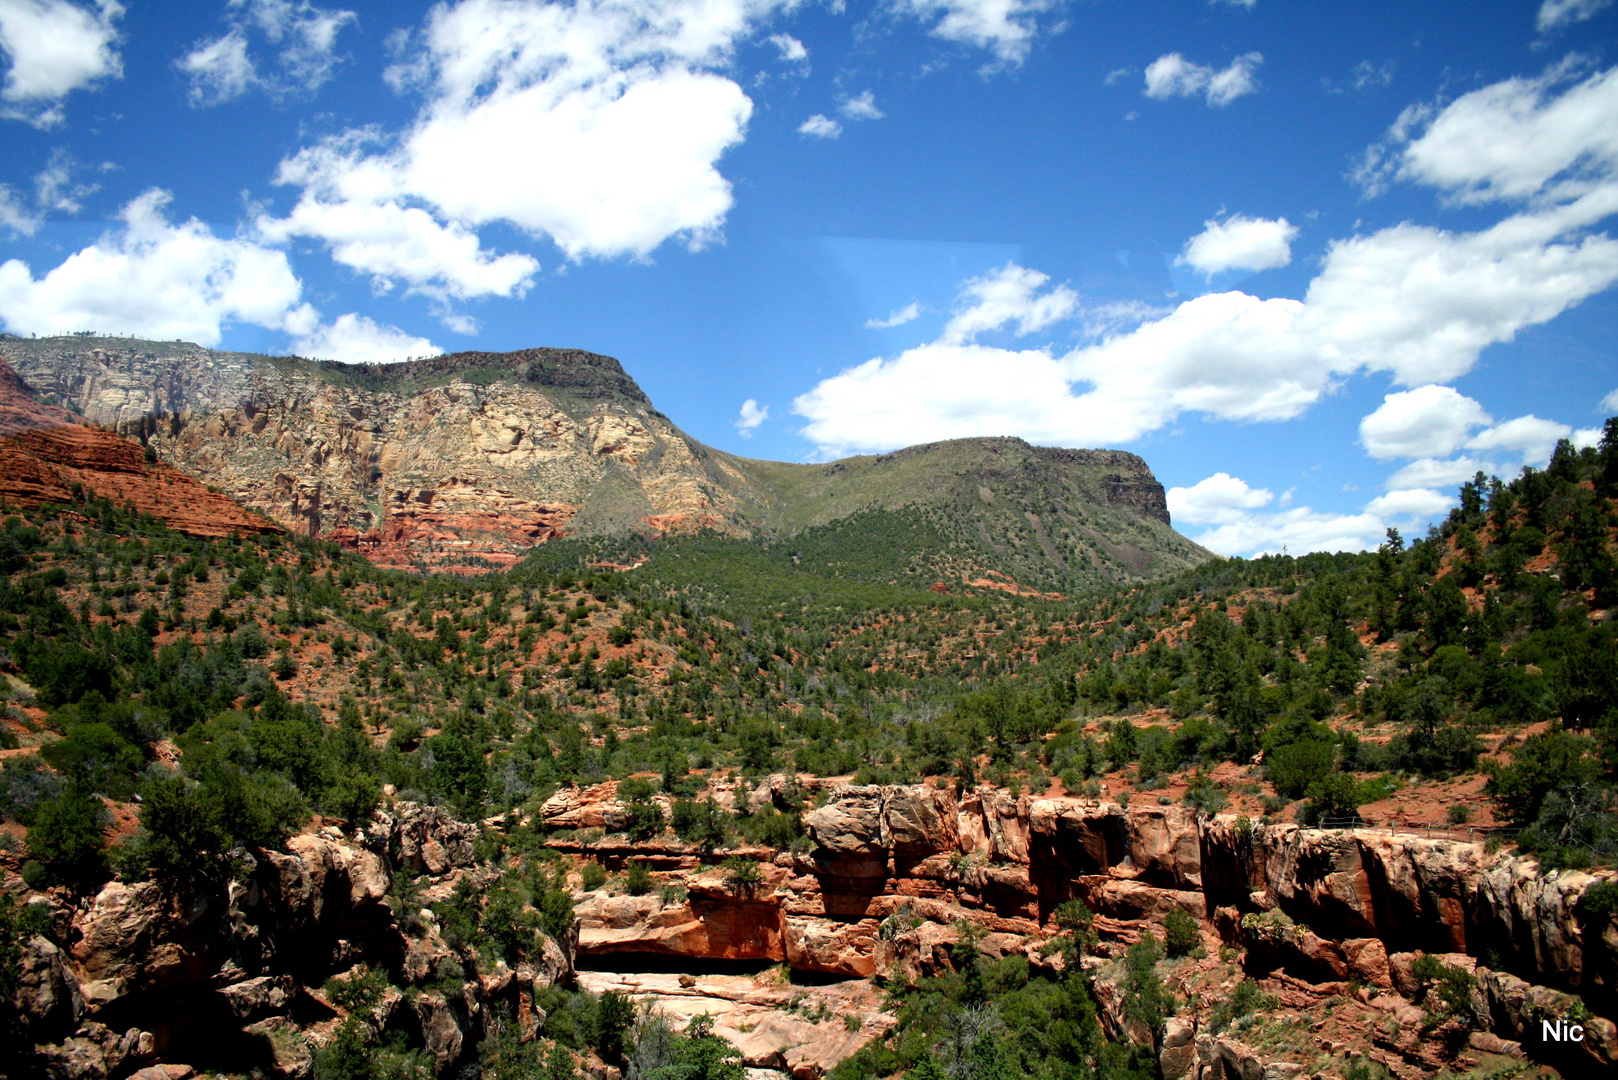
x,y
173,703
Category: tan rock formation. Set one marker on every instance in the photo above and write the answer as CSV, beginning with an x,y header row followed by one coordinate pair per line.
x,y
46,452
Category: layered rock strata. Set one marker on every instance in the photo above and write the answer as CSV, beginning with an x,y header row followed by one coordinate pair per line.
x,y
889,871
49,455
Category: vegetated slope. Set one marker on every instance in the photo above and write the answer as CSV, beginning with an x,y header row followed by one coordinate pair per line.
x,y
470,460
1050,519
240,685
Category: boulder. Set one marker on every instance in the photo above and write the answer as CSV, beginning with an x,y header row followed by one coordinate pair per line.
x,y
96,1052
1177,1053
135,938
47,997
847,833
254,999
834,947
428,839
440,1028
593,807
725,928
918,820
1368,961
291,1053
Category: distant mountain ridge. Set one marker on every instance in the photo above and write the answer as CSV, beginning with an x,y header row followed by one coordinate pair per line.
x,y
475,457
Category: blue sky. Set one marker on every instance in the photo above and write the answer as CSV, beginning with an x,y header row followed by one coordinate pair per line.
x,y
1315,262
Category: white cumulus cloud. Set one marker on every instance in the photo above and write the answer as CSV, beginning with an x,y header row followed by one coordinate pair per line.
x,y
355,339
1006,28
302,36
1172,75
1221,499
1296,530
752,415
55,47
1554,14
1410,503
821,127
1529,436
792,50
386,238
909,313
1417,303
1240,243
55,191
154,279
1609,403
1011,294
1243,527
1547,137
1438,473
1427,422
860,107
597,124
15,214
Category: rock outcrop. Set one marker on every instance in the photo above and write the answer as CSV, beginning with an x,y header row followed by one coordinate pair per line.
x,y
891,870
49,455
229,975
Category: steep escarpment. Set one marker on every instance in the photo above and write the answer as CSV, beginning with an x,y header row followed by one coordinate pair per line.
x,y
477,455
890,874
49,455
1339,931
1057,518
472,459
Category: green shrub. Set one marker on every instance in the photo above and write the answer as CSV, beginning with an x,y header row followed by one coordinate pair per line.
x,y
66,838
638,881
698,822
593,876
1600,901
359,994
1335,799
1244,1001
771,828
1181,935
1296,766
1455,986
742,872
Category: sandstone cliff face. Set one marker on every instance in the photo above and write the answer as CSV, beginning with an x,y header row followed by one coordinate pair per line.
x,y
230,975
45,451
892,869
471,455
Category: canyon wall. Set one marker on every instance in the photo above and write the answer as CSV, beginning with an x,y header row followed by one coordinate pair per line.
x,y
889,871
47,452
475,455
231,973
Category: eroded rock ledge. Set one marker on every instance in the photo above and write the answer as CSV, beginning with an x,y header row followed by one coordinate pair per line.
x,y
1362,904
